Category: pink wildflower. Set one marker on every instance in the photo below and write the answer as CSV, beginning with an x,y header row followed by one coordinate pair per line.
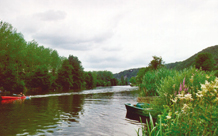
x,y
183,83
180,88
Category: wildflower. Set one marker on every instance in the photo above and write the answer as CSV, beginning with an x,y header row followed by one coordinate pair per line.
x,y
185,106
186,89
215,100
216,80
165,94
203,88
183,83
169,115
188,97
180,88
207,76
199,95
207,83
174,100
180,96
163,124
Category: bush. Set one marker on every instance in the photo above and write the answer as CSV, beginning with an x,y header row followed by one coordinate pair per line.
x,y
152,79
191,79
189,104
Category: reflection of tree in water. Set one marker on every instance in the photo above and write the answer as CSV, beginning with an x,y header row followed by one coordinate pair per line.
x,y
38,115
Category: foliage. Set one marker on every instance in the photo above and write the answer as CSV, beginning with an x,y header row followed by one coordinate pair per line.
x,y
28,66
105,78
77,71
41,78
89,80
152,79
171,84
188,102
140,74
65,76
132,81
156,63
191,61
205,61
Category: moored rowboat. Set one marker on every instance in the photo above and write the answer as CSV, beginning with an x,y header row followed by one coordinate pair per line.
x,y
140,109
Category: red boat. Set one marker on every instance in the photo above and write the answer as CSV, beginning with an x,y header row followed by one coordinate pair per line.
x,y
12,97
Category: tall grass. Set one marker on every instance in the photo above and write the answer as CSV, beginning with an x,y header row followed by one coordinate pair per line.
x,y
188,104
190,79
152,79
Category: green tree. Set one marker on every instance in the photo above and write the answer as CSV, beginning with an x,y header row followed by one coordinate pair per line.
x,y
156,63
41,78
132,81
140,74
104,78
114,81
65,76
77,71
122,80
89,80
205,61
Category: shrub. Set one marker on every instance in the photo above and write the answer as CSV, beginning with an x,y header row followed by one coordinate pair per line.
x,y
191,79
152,79
189,103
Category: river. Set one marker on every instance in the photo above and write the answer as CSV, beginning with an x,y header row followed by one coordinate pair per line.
x,y
97,112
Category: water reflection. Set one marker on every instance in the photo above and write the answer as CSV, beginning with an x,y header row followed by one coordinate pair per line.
x,y
89,112
12,101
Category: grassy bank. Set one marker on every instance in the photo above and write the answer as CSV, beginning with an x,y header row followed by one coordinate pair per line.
x,y
188,103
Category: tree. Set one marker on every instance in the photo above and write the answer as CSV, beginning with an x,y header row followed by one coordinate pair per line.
x,y
156,63
132,80
140,74
77,71
41,78
65,77
89,80
122,80
114,81
205,61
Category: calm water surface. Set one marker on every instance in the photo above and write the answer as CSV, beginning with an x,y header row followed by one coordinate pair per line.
x,y
98,112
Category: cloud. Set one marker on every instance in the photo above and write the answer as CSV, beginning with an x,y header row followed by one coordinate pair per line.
x,y
51,15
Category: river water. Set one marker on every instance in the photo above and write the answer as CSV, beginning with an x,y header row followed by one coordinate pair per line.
x,y
97,112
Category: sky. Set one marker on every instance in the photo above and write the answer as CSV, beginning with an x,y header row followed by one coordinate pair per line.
x,y
116,35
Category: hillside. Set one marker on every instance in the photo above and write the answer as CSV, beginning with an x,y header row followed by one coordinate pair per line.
x,y
190,61
177,65
127,73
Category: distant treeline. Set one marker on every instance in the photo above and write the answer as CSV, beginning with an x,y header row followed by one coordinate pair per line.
x,y
26,66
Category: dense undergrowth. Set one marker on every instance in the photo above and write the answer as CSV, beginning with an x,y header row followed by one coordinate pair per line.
x,y
187,102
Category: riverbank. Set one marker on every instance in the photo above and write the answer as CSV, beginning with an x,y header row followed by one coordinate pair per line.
x,y
188,103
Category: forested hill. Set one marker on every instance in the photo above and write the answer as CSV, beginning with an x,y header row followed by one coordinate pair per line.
x,y
190,61
126,74
177,65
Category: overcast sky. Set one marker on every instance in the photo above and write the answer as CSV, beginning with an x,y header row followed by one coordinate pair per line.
x,y
116,35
